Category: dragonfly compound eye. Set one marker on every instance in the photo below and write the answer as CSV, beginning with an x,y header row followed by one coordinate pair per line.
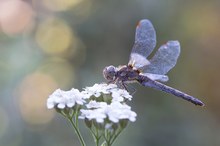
x,y
109,73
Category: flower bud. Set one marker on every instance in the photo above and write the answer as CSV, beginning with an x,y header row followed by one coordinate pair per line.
x,y
123,123
88,123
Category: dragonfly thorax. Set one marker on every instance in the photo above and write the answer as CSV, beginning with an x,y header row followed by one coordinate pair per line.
x,y
127,73
122,73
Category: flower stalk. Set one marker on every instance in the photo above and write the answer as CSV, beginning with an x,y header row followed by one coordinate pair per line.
x,y
77,131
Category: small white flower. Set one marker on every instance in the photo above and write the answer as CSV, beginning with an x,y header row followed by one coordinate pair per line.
x,y
96,114
117,111
90,91
50,103
120,93
54,98
97,89
106,88
117,98
62,99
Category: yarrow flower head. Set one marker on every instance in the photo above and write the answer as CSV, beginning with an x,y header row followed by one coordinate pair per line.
x,y
120,95
117,111
65,99
114,112
98,89
104,90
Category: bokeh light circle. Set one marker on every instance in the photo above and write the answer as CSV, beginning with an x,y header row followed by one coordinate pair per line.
x,y
33,93
60,5
54,36
15,16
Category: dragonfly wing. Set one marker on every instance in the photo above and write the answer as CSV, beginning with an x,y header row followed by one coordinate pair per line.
x,y
159,86
138,61
145,42
164,59
156,77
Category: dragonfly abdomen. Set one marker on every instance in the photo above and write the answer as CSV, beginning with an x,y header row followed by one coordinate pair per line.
x,y
159,86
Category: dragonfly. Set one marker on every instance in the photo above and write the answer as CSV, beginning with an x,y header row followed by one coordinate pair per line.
x,y
149,72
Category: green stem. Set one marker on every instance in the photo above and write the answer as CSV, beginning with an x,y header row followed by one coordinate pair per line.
x,y
114,138
77,132
95,135
107,137
76,118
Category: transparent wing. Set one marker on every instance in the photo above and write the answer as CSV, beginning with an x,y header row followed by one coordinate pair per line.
x,y
156,77
145,41
164,59
138,60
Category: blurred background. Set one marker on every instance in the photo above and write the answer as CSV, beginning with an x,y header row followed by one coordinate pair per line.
x,y
50,44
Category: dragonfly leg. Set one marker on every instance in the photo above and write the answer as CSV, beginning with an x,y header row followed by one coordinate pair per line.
x,y
124,86
129,88
133,90
112,81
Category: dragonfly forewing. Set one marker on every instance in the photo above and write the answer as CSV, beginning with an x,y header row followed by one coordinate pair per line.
x,y
159,86
145,39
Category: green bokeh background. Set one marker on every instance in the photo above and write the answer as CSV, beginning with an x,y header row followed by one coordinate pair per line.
x,y
102,33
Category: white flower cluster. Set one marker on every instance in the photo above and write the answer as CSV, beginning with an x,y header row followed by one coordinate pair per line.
x,y
95,108
114,112
97,90
61,99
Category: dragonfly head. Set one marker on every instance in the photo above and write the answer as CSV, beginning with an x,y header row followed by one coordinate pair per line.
x,y
109,73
